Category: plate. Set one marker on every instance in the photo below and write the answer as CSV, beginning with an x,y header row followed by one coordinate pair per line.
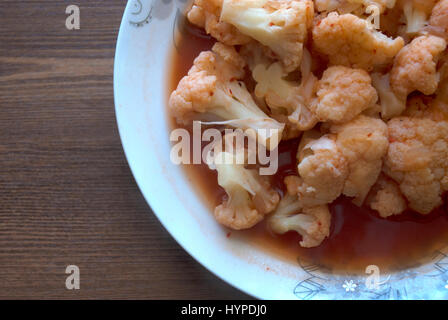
x,y
145,42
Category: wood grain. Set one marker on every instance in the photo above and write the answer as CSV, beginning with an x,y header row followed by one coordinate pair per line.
x,y
66,193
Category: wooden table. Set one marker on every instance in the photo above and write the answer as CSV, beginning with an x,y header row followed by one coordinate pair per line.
x,y
67,196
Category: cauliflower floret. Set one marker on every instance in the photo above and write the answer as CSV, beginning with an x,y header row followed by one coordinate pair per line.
x,y
291,130
347,161
381,4
417,160
342,94
442,90
322,171
281,25
351,6
285,97
363,142
250,196
391,105
313,223
280,94
328,5
211,88
373,112
415,66
439,18
386,198
416,13
206,13
420,106
342,6
349,41
255,54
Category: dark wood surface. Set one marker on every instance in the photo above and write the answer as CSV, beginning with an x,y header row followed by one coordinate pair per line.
x,y
66,193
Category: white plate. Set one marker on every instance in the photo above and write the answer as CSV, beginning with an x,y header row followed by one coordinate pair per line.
x,y
140,83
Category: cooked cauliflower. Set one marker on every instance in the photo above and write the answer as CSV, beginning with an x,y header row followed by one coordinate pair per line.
x,y
206,14
391,104
363,142
250,196
328,5
416,13
301,116
347,40
442,91
281,25
371,111
381,4
313,223
280,94
352,6
386,198
342,94
417,160
439,18
420,106
256,54
211,87
342,6
291,131
322,171
415,66
348,161
285,97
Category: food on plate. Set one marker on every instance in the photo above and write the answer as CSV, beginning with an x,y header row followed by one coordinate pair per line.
x,y
415,67
417,160
312,223
280,25
322,170
386,197
342,94
351,41
286,97
439,18
416,14
213,87
249,196
206,14
362,109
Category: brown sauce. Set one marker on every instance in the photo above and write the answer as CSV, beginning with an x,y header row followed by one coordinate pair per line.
x,y
358,236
